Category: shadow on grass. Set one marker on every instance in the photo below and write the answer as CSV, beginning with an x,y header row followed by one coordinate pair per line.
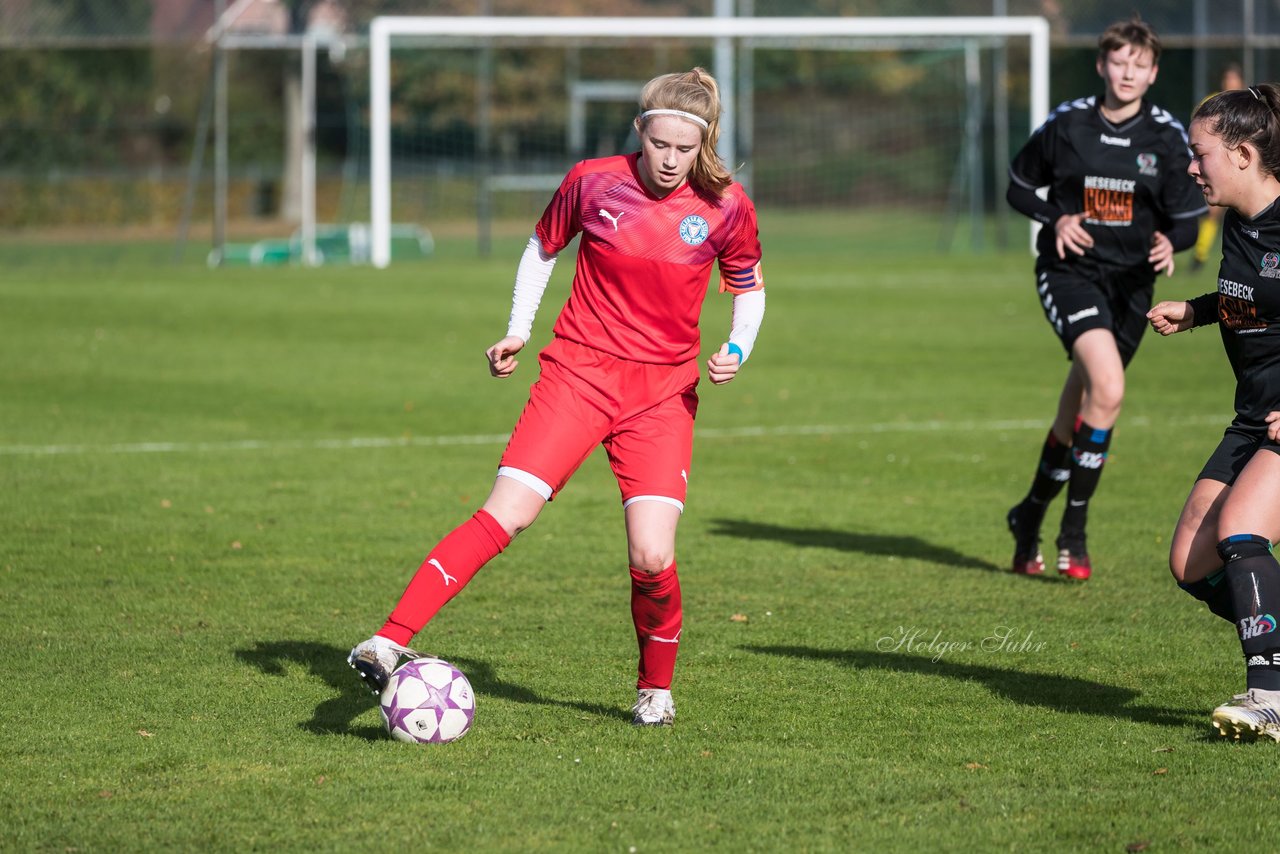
x,y
888,545
335,716
1050,690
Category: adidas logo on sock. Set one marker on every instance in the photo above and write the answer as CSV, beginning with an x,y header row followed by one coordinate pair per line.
x,y
1257,661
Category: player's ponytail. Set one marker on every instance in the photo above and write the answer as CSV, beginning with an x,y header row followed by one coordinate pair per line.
x,y
1247,115
697,94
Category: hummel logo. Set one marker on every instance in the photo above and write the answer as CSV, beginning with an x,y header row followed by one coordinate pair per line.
x,y
1091,311
446,576
613,219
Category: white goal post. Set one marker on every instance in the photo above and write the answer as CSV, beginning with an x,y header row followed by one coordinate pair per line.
x,y
383,29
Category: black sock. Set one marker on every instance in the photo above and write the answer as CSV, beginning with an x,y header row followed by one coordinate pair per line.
x,y
1088,455
1214,592
1254,576
1051,475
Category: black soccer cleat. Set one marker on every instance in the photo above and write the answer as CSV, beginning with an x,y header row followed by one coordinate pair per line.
x,y
1027,559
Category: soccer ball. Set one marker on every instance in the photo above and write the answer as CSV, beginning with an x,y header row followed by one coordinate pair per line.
x,y
427,701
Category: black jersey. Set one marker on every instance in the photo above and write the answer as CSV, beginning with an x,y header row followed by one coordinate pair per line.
x,y
1130,178
1248,303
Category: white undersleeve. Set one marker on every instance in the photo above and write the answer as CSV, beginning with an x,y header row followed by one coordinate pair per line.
x,y
531,282
748,313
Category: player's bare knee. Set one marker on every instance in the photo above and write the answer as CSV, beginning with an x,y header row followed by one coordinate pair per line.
x,y
1180,552
514,530
513,520
517,499
650,561
1105,400
1178,564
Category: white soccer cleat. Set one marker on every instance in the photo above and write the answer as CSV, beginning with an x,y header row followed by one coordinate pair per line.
x,y
654,707
1248,716
375,660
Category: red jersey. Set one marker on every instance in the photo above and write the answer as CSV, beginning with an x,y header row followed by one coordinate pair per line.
x,y
644,262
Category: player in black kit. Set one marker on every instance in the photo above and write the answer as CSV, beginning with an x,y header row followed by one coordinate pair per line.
x,y
1221,550
1120,204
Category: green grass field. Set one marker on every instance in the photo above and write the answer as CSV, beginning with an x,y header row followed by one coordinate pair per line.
x,y
215,482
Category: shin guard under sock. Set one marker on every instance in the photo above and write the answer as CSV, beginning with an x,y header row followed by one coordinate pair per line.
x,y
1052,473
1214,591
1254,576
1088,455
447,569
658,615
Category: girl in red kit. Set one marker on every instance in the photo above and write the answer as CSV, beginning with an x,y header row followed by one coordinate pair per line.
x,y
620,371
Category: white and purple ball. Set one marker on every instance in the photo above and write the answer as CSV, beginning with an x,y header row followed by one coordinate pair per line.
x,y
427,701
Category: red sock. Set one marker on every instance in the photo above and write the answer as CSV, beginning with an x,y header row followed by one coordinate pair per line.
x,y
657,613
447,569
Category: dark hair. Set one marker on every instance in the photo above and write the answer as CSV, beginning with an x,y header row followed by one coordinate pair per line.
x,y
1135,32
1247,115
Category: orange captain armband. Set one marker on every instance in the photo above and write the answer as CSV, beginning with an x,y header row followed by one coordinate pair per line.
x,y
742,281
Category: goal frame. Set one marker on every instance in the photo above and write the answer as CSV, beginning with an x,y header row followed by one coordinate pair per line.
x,y
382,29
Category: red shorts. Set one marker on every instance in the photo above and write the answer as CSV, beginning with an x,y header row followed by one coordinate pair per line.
x,y
642,414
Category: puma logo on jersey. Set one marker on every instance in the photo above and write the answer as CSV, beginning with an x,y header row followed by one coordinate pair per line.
x,y
446,576
613,219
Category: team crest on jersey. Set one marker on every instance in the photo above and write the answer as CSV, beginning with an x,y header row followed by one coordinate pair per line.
x,y
1270,266
1147,164
694,229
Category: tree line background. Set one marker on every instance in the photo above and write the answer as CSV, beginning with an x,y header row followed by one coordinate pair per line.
x,y
101,111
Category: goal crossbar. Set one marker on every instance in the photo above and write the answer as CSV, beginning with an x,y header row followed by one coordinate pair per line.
x,y
383,29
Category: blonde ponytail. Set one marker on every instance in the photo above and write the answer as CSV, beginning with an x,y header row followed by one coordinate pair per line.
x,y
694,92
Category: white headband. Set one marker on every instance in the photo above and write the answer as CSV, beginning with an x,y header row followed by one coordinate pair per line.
x,y
697,120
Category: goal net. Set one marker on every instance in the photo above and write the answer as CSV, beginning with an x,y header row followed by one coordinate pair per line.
x,y
474,121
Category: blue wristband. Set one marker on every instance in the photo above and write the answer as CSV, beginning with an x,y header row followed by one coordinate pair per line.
x,y
734,348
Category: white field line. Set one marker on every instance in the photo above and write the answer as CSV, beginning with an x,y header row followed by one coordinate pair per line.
x,y
937,426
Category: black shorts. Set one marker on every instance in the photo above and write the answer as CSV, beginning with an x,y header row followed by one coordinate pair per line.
x,y
1076,299
1233,453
